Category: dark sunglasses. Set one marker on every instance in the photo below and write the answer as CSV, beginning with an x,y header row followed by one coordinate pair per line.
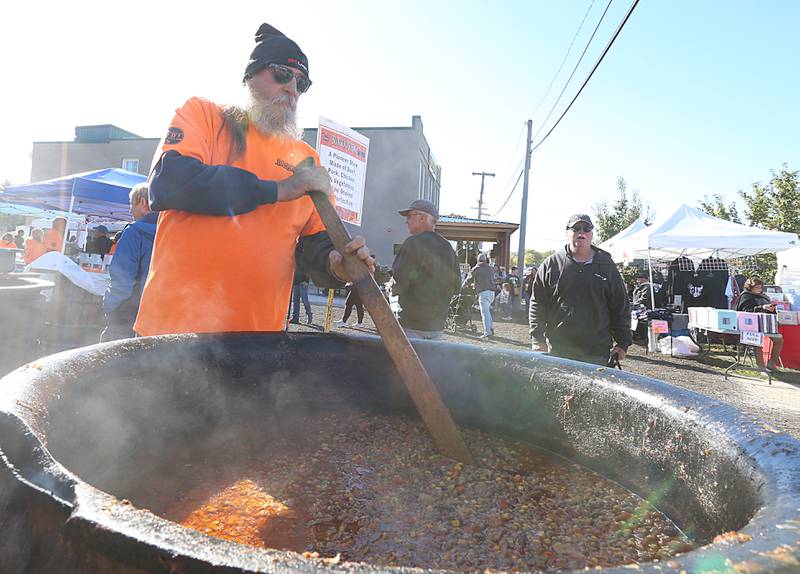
x,y
581,228
284,75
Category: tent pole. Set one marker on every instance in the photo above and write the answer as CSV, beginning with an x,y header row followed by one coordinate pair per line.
x,y
652,290
69,216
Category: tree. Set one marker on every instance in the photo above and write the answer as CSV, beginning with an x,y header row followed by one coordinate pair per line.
x,y
533,258
715,205
612,219
467,251
775,206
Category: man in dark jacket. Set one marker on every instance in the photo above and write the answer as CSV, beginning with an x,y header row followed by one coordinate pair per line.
x,y
642,294
580,306
129,268
101,243
425,272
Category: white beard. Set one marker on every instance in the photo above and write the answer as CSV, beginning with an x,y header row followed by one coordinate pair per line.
x,y
273,116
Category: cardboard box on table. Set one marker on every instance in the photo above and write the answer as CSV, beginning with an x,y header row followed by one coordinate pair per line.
x,y
747,321
724,320
700,317
767,323
788,317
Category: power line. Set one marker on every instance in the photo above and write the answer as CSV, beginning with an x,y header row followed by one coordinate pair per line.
x,y
574,69
513,154
564,61
509,196
589,77
505,185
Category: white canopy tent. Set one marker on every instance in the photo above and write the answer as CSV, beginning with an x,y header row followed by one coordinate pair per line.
x,y
788,267
695,234
615,245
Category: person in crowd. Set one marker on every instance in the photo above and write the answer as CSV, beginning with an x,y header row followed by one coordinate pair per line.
x,y
235,172
426,273
516,289
71,249
54,237
101,243
527,286
753,300
580,308
129,268
499,278
353,300
7,241
114,241
504,301
482,276
34,246
19,239
641,292
300,294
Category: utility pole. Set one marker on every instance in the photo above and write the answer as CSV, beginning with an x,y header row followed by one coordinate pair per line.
x,y
524,215
483,175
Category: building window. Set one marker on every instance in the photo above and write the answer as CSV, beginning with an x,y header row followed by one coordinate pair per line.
x,y
131,165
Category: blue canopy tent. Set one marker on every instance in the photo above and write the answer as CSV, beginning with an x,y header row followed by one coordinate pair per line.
x,y
26,211
101,194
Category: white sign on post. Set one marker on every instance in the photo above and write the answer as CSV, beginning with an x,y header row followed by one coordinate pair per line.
x,y
344,153
752,338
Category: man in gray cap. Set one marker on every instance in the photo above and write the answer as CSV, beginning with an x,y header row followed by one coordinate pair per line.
x,y
425,272
101,243
580,309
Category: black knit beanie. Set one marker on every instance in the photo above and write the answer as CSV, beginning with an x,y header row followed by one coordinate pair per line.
x,y
273,47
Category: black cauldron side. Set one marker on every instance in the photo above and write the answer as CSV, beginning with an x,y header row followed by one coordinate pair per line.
x,y
84,430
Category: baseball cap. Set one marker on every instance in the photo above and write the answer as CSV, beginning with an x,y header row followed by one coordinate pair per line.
x,y
101,229
421,205
579,218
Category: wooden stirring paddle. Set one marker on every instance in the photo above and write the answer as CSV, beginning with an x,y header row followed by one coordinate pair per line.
x,y
433,411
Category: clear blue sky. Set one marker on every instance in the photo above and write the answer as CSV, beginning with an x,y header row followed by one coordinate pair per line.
x,y
694,98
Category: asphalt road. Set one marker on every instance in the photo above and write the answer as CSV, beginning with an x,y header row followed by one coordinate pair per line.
x,y
777,403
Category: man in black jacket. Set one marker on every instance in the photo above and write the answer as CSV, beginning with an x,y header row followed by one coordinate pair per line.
x,y
580,306
425,272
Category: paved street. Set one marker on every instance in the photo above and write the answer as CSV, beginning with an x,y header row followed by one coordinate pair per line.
x,y
778,403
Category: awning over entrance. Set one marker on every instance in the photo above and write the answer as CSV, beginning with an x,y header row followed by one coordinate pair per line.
x,y
466,229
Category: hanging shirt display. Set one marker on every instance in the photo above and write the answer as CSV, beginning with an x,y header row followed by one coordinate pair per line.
x,y
714,276
679,274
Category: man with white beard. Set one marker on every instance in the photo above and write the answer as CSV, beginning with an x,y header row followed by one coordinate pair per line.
x,y
233,207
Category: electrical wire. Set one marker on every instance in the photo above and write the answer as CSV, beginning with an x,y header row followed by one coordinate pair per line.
x,y
509,195
507,182
564,61
513,155
574,69
589,77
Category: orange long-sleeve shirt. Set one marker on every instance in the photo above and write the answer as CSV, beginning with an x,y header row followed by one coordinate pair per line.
x,y
224,273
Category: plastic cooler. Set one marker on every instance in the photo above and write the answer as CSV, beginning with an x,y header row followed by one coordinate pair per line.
x,y
790,354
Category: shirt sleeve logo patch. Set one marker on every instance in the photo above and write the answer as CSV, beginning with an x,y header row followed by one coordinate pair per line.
x,y
174,136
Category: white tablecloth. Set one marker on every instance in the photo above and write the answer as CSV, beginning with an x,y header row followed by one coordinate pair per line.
x,y
95,283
